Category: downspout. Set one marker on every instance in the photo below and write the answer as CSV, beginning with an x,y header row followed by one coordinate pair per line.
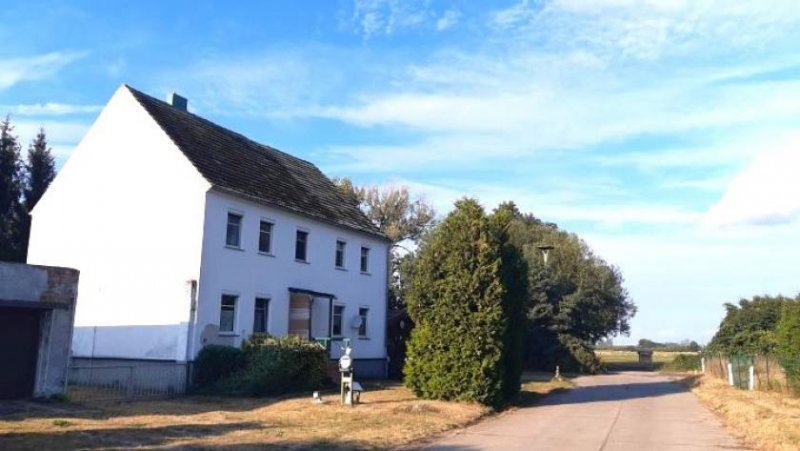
x,y
192,319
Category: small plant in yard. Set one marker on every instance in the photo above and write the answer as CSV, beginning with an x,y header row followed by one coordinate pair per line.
x,y
62,423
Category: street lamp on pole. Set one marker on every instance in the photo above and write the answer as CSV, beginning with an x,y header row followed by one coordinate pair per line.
x,y
545,248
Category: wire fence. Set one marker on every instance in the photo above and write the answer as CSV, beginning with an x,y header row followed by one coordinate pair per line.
x,y
753,372
126,382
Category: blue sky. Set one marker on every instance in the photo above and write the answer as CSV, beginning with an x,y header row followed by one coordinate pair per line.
x,y
666,133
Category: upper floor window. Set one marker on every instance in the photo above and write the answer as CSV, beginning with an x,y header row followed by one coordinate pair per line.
x,y
364,259
227,313
233,236
260,315
301,246
363,312
337,319
265,237
340,246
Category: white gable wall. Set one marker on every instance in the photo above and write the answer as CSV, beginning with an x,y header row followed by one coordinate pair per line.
x,y
127,211
249,274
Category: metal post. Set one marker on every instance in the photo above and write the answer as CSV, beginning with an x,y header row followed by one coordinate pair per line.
x,y
730,373
703,364
752,380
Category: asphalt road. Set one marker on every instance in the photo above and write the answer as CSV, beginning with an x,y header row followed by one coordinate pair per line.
x,y
631,411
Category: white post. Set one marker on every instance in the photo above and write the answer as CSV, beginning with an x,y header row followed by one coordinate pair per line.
x,y
730,374
703,364
752,384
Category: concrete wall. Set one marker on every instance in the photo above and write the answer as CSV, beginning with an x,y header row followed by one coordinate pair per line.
x,y
127,211
36,285
249,274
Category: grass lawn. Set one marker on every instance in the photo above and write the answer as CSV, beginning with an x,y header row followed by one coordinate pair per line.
x,y
389,416
766,420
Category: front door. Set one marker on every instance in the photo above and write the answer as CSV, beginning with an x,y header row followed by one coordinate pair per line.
x,y
19,349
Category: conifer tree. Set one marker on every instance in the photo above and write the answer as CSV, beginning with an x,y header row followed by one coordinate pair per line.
x,y
39,171
457,350
10,193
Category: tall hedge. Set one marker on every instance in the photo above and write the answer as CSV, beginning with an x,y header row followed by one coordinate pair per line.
x,y
458,349
788,341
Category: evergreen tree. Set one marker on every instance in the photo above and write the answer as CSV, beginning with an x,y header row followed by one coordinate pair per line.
x,y
456,299
39,171
10,194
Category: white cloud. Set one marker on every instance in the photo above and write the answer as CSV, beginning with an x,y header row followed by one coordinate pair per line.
x,y
49,109
373,17
767,192
448,19
16,70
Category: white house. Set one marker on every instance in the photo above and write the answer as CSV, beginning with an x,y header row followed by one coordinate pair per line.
x,y
186,234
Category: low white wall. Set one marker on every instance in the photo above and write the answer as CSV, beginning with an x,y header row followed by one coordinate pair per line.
x,y
162,342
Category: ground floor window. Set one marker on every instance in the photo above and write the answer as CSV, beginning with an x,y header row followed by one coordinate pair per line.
x,y
363,312
227,313
260,315
337,320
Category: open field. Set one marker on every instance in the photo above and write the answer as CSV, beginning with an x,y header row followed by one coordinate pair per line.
x,y
768,421
629,360
389,416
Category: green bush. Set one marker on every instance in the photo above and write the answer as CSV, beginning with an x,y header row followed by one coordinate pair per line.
x,y
214,363
684,362
788,342
277,365
457,350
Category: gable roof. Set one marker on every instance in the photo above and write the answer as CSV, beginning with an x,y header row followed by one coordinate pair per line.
x,y
235,164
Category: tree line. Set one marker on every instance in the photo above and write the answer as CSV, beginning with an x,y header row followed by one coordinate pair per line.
x,y
763,325
22,184
483,301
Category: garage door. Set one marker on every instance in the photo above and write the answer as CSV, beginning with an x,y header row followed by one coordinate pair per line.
x,y
19,347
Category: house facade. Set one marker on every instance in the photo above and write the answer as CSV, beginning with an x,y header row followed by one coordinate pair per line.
x,y
188,234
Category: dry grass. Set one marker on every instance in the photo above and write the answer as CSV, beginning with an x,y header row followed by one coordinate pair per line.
x,y
629,360
389,416
767,421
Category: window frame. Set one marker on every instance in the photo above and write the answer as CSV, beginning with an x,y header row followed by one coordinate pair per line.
x,y
234,312
267,301
336,262
364,322
341,320
261,223
363,262
240,215
297,234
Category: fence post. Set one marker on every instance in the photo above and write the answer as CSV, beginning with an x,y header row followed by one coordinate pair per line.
x,y
752,380
730,372
703,364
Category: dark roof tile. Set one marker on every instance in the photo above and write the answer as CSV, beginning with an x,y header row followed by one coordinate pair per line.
x,y
240,166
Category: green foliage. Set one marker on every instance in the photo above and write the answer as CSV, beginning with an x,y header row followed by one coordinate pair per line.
x,y
684,362
684,346
266,366
21,186
214,363
514,276
11,185
573,301
788,341
457,350
749,328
